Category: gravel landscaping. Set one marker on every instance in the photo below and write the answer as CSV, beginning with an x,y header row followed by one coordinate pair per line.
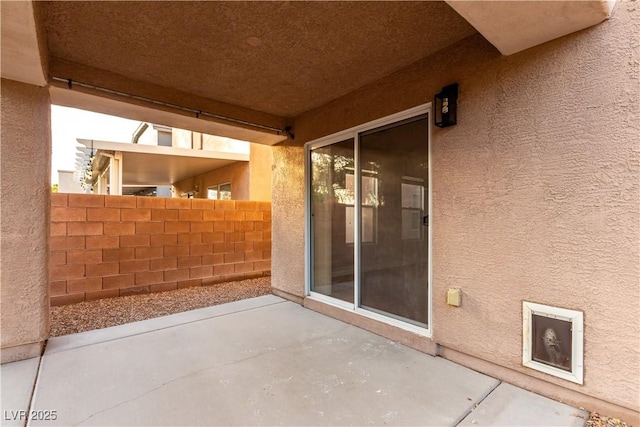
x,y
86,316
597,420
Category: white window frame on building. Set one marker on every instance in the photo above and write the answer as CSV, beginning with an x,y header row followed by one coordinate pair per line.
x,y
219,192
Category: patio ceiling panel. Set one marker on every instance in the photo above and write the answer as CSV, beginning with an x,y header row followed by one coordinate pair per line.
x,y
153,165
158,169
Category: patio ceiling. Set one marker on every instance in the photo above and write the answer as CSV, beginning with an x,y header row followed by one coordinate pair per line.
x,y
251,63
154,165
282,58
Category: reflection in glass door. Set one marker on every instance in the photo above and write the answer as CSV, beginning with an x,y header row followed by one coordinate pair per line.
x,y
368,219
394,267
332,171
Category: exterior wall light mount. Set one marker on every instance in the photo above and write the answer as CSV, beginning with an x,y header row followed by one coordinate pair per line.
x,y
289,131
446,106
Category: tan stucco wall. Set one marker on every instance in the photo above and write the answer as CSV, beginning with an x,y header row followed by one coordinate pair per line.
x,y
249,180
236,173
182,138
535,195
260,169
287,207
25,165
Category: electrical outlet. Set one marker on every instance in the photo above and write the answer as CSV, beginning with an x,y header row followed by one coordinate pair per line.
x,y
454,297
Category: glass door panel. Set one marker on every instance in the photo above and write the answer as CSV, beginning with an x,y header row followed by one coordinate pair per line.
x,y
332,216
394,251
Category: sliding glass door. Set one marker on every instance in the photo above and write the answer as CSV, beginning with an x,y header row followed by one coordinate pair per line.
x,y
394,265
368,229
332,197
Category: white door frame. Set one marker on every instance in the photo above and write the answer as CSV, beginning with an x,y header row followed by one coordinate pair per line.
x,y
353,133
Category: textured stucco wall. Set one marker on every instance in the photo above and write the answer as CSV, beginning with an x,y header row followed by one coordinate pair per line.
x,y
260,162
538,201
535,194
287,244
25,165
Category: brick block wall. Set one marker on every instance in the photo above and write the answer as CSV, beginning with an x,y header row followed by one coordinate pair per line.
x,y
108,246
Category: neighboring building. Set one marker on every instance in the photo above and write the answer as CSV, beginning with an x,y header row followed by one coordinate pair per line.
x,y
250,180
508,242
67,182
166,162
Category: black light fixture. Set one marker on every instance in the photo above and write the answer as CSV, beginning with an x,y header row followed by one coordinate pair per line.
x,y
289,132
446,106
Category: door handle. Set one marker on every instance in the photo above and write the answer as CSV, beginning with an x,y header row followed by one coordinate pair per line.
x,y
425,220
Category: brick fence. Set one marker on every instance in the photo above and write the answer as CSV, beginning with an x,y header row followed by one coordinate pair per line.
x,y
108,246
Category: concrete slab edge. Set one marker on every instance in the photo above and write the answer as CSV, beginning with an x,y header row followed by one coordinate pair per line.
x,y
34,392
393,333
477,403
14,408
21,352
34,388
83,339
539,386
288,296
517,406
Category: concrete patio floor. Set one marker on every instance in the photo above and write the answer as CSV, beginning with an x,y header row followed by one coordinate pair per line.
x,y
262,361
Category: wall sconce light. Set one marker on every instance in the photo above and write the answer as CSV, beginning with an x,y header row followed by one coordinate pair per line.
x,y
446,106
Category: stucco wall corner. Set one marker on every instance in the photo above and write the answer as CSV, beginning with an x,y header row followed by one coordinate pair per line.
x,y
25,170
287,268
